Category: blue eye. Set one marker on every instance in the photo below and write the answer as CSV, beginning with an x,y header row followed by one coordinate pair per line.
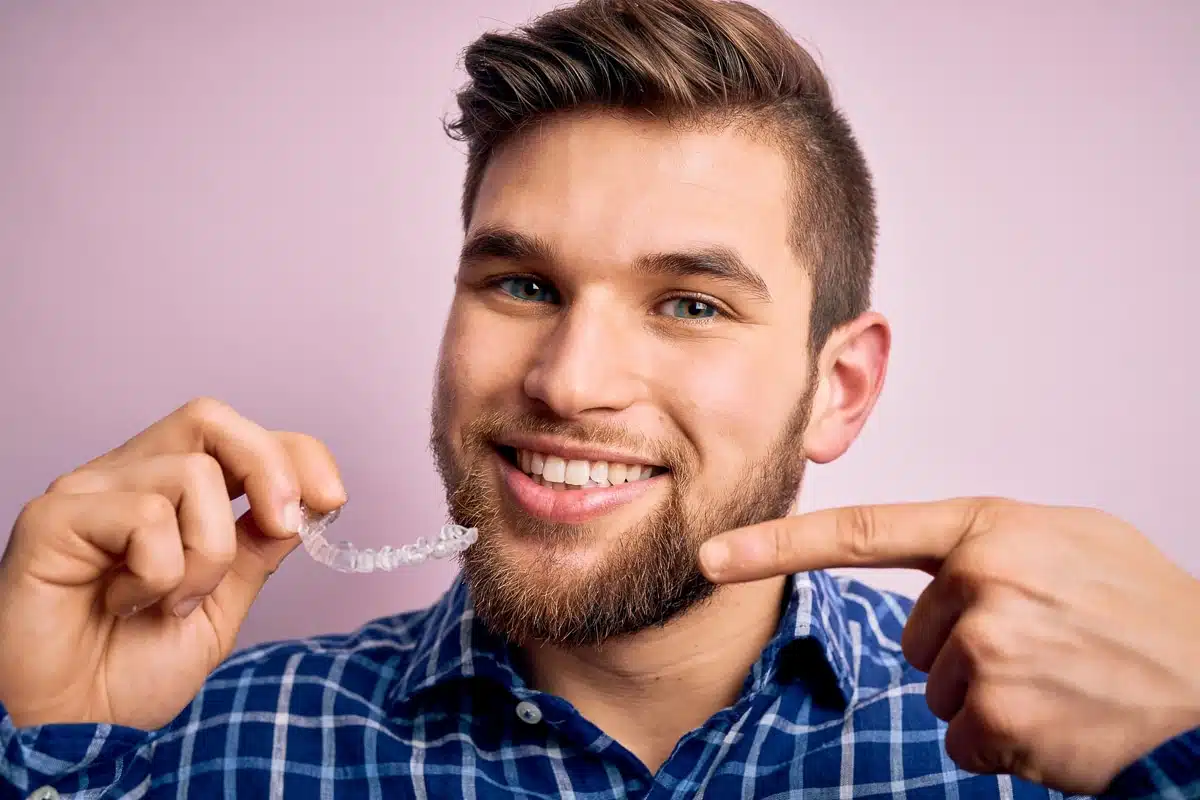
x,y
690,308
529,289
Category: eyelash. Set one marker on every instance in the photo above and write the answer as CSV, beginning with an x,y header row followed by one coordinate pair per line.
x,y
496,283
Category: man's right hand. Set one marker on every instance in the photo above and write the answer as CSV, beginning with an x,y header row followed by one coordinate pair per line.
x,y
125,584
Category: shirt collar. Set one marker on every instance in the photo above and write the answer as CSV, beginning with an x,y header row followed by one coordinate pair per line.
x,y
455,645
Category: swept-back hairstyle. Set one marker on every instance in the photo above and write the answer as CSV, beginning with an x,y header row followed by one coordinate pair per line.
x,y
689,62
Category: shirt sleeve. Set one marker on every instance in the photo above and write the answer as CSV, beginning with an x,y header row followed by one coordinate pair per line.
x,y
1171,770
71,757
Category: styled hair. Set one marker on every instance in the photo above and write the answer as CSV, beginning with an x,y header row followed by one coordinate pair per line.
x,y
691,63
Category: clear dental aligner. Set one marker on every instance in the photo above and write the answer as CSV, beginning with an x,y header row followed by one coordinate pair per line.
x,y
345,557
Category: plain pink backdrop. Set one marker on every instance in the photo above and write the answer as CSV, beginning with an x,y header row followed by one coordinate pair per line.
x,y
256,201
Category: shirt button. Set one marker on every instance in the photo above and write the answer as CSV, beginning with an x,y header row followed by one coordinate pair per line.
x,y
45,793
529,712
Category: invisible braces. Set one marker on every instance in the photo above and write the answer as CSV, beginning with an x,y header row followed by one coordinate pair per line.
x,y
345,557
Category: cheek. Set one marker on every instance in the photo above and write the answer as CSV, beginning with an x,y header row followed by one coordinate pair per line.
x,y
483,356
731,402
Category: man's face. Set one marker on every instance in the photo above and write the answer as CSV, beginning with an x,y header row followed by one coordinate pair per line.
x,y
624,371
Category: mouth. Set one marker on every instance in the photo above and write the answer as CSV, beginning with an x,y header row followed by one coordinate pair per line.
x,y
566,474
556,487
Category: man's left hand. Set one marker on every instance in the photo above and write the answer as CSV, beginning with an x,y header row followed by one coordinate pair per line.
x,y
1060,644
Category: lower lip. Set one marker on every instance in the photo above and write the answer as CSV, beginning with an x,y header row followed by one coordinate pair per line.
x,y
570,506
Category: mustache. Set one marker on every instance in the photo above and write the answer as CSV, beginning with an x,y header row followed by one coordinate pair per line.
x,y
496,425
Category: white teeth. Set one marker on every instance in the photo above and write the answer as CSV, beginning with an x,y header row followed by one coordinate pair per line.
x,y
557,472
555,469
577,473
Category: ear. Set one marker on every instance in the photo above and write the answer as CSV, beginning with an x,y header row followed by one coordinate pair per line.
x,y
850,372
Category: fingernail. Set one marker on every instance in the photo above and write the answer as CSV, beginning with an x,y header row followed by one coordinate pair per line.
x,y
715,556
292,517
186,606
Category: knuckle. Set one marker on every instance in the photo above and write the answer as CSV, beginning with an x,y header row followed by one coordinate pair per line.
x,y
782,543
163,574
968,571
858,532
61,484
80,481
999,721
982,644
200,468
33,516
153,509
204,409
969,753
987,513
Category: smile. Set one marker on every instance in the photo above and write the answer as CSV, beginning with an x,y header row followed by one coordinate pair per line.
x,y
561,485
557,472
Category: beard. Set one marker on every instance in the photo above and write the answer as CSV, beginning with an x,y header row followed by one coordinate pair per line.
x,y
647,577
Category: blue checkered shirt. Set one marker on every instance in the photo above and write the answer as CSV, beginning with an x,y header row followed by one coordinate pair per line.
x,y
429,704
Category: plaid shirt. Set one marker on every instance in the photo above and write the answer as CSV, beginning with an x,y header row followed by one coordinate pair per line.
x,y
428,704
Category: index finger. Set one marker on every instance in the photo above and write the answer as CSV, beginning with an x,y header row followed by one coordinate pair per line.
x,y
902,535
252,459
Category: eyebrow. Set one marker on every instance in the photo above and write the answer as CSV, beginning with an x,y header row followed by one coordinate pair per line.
x,y
715,262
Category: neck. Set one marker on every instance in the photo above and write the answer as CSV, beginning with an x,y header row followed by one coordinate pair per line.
x,y
647,690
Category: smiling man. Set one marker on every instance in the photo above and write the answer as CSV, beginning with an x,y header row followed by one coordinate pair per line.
x,y
662,313
616,394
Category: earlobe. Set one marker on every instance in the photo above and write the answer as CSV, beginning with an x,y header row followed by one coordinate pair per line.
x,y
851,372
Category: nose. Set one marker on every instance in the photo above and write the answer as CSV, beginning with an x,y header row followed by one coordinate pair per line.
x,y
587,362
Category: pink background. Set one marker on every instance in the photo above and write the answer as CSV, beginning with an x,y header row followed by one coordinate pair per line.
x,y
255,201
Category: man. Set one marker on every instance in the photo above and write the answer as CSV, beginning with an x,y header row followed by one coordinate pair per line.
x,y
661,314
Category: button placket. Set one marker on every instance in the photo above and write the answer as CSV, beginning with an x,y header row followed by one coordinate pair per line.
x,y
528,712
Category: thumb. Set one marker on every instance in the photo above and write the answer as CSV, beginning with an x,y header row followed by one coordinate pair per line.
x,y
258,555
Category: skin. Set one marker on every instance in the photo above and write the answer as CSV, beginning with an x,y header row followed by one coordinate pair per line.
x,y
610,351
125,583
1060,663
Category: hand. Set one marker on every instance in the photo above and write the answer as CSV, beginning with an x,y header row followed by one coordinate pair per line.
x,y
1060,645
125,584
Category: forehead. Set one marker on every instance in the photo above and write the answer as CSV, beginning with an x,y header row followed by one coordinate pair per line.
x,y
605,189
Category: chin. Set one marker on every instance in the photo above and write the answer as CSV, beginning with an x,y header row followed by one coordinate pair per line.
x,y
581,585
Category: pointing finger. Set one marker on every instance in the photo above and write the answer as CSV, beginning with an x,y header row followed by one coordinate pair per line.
x,y
907,535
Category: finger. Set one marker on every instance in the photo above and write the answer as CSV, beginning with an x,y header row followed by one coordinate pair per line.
x,y
983,736
72,539
909,535
253,460
929,624
321,489
194,482
968,743
321,484
257,557
948,681
195,485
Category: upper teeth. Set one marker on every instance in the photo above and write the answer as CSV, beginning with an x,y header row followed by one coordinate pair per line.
x,y
549,469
